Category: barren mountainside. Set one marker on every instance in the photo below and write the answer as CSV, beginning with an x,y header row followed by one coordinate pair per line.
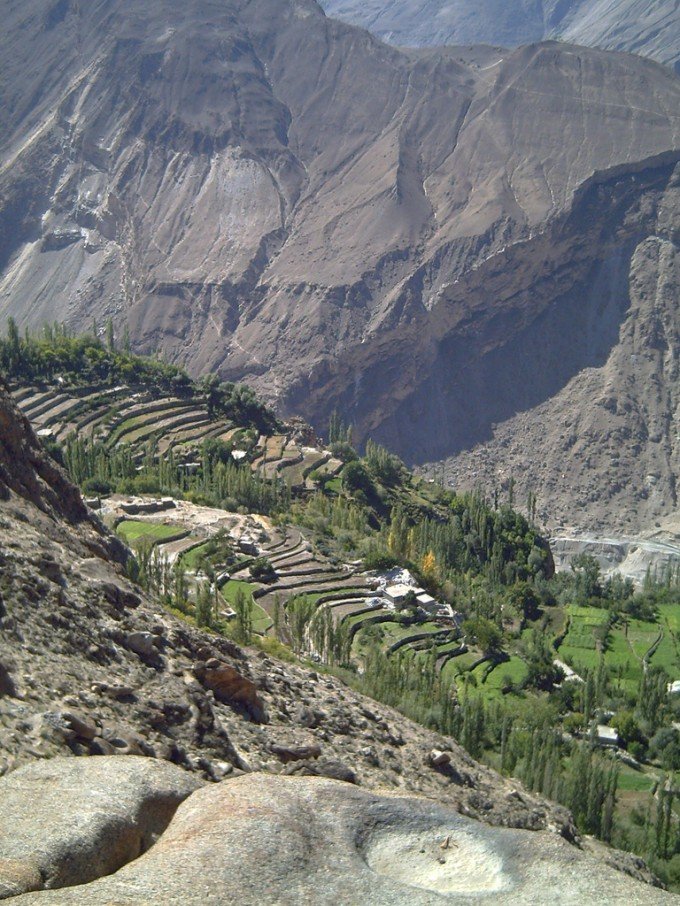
x,y
647,27
430,241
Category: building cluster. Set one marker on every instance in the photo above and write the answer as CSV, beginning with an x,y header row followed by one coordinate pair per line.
x,y
397,587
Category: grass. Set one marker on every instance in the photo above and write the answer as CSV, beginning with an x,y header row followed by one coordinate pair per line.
x,y
641,636
580,646
638,781
261,619
231,588
460,664
191,559
515,669
134,531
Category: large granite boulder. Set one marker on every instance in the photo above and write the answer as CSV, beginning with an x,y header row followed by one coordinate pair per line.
x,y
68,821
261,839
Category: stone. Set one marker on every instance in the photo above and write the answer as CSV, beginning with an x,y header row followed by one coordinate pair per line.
x,y
439,759
232,687
100,746
69,820
261,839
288,753
83,727
144,644
7,685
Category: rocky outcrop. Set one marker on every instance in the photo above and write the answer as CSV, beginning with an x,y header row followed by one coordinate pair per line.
x,y
230,686
260,839
69,821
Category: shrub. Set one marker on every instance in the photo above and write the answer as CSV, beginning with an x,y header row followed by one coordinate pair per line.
x,y
97,486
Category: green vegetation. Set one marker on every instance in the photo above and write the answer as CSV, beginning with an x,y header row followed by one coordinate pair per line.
x,y
489,678
134,532
83,360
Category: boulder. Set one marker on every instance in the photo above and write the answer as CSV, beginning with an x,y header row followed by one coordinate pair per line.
x,y
263,839
439,759
288,753
69,820
230,686
145,645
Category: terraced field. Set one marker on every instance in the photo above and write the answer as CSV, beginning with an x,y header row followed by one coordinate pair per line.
x,y
135,532
582,644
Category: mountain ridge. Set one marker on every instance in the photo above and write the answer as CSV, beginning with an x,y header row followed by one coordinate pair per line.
x,y
647,27
295,231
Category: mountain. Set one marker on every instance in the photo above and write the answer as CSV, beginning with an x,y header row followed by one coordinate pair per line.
x,y
429,241
647,27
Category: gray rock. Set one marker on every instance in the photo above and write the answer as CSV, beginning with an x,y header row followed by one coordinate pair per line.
x,y
144,644
288,753
438,759
241,842
70,820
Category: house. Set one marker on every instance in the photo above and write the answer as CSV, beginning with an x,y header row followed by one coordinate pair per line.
x,y
427,602
674,687
396,594
247,545
606,737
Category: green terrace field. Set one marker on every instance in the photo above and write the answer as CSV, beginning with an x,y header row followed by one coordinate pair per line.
x,y
136,532
667,653
191,559
261,620
515,671
587,627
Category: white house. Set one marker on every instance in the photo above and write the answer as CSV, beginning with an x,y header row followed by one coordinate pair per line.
x,y
606,736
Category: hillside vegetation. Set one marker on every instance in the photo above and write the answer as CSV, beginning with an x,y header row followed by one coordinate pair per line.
x,y
519,664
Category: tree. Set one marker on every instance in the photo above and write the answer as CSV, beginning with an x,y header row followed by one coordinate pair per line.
x,y
428,566
204,614
586,569
665,746
487,634
243,605
110,337
262,570
356,478
523,597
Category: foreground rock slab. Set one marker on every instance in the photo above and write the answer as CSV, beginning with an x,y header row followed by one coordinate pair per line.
x,y
263,839
70,820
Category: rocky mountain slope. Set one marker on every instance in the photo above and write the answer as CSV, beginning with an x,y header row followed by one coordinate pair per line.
x,y
431,256
612,463
647,27
89,667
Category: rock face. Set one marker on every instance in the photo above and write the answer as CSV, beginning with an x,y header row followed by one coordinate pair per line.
x,y
71,820
424,256
260,839
602,453
647,27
